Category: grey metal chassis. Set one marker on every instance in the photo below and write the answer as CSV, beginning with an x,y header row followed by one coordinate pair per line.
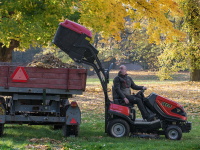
x,y
37,106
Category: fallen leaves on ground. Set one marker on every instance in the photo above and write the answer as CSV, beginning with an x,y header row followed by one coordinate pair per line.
x,y
44,140
38,147
42,144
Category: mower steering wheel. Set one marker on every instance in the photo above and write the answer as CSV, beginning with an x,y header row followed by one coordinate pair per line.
x,y
141,93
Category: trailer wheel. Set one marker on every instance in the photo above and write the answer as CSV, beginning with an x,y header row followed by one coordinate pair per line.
x,y
1,129
2,99
70,130
118,128
173,132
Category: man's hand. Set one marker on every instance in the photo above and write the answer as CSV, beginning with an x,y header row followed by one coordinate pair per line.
x,y
126,100
144,88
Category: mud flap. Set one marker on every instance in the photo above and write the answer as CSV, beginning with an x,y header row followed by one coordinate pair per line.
x,y
73,116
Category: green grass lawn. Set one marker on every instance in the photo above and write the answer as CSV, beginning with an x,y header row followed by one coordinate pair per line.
x,y
92,136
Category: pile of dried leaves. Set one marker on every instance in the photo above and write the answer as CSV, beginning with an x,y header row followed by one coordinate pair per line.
x,y
42,144
44,140
50,61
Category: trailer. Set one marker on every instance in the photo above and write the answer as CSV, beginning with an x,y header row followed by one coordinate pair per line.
x,y
39,96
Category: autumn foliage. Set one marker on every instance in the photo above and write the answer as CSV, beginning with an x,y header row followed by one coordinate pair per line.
x,y
109,17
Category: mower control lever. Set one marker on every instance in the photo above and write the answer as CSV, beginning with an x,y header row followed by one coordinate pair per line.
x,y
110,67
107,72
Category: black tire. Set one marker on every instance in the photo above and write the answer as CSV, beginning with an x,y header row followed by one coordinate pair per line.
x,y
71,130
2,99
118,128
3,102
173,132
1,129
56,127
63,111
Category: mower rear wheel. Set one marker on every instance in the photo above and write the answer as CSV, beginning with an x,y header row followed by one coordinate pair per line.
x,y
118,128
173,132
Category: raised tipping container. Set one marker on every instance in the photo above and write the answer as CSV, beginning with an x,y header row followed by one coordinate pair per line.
x,y
74,40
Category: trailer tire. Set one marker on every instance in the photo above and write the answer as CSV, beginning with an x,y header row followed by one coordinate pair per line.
x,y
118,128
3,102
173,132
69,130
1,129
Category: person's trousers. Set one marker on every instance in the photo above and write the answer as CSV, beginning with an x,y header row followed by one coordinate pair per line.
x,y
135,100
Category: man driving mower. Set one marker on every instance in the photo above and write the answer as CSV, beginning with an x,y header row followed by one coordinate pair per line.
x,y
122,85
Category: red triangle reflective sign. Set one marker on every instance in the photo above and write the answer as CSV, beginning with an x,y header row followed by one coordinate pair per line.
x,y
19,75
73,121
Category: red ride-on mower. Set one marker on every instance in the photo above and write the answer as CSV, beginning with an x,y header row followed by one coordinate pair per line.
x,y
170,120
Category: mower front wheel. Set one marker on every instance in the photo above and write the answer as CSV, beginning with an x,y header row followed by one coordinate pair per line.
x,y
173,132
118,128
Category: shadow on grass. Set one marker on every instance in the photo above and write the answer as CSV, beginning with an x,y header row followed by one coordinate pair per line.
x,y
19,134
23,132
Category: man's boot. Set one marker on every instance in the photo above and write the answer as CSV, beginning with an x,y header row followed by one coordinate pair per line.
x,y
151,117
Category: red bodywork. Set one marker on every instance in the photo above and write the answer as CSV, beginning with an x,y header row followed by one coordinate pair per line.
x,y
167,105
120,109
76,27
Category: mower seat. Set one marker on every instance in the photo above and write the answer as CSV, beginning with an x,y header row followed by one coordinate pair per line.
x,y
117,100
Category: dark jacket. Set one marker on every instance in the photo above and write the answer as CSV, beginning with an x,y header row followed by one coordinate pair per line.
x,y
122,85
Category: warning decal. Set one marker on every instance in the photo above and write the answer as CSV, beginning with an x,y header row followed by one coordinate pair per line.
x,y
73,121
19,75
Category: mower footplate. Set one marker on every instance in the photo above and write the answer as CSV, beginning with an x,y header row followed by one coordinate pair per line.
x,y
154,136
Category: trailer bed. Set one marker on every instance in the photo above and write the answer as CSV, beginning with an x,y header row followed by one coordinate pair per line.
x,y
55,80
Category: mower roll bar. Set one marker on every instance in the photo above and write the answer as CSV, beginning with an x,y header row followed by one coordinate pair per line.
x,y
98,69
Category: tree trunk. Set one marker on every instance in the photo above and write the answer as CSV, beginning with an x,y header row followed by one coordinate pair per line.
x,y
195,75
6,53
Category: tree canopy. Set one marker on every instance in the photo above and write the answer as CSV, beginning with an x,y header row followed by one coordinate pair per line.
x,y
184,55
109,17
32,21
36,21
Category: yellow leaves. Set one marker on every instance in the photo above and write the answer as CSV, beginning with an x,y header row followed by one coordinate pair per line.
x,y
136,25
109,16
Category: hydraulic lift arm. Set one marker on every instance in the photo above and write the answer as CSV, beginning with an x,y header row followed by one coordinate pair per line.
x,y
72,38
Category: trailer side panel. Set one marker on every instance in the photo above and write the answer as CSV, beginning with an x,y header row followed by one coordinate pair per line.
x,y
55,78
